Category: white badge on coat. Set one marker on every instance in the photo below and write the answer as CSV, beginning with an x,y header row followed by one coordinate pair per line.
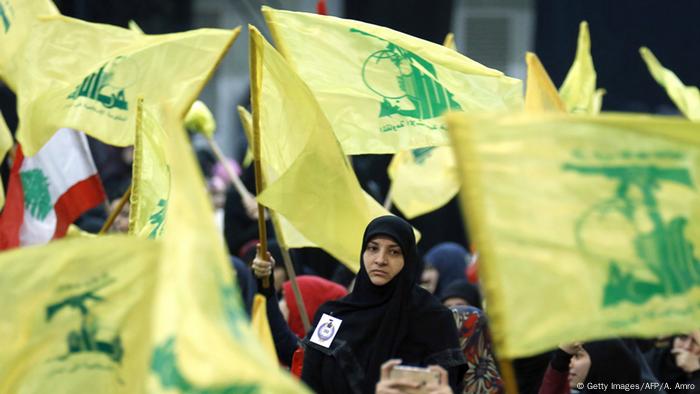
x,y
325,330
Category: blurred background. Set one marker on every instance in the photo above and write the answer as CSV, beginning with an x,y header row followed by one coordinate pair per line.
x,y
496,33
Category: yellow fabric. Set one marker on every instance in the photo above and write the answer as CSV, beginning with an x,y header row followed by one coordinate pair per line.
x,y
200,119
247,122
540,95
383,91
17,18
6,143
198,314
287,235
578,89
450,41
133,26
593,222
158,316
87,76
423,180
686,98
150,185
42,289
597,103
308,179
261,326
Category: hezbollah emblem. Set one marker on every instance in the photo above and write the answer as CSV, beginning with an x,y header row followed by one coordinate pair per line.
x,y
414,92
658,240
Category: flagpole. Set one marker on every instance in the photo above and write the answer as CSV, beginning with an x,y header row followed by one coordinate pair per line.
x,y
295,287
508,375
255,85
113,215
246,196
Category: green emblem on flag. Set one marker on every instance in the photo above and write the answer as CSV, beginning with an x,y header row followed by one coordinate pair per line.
x,y
107,85
416,93
658,241
5,18
37,199
420,155
164,365
157,219
89,337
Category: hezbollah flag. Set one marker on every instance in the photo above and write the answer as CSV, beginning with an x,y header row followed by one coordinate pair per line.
x,y
686,98
383,91
120,314
150,185
87,76
17,19
5,145
286,234
591,221
309,181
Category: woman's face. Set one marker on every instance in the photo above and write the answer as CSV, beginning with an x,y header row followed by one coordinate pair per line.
x,y
578,367
383,259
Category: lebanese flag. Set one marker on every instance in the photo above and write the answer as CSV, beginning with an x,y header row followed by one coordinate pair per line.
x,y
50,190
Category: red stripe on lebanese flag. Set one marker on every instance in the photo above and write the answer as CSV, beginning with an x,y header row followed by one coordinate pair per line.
x,y
13,213
81,197
62,183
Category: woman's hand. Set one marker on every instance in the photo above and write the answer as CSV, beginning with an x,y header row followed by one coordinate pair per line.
x,y
386,385
262,268
443,387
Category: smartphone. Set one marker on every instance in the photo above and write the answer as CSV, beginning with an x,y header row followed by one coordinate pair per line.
x,y
422,376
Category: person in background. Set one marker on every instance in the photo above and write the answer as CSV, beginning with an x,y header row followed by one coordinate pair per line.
x,y
315,291
482,374
591,368
450,259
677,362
463,293
386,316
429,278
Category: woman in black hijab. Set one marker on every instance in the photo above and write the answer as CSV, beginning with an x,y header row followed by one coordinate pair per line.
x,y
386,316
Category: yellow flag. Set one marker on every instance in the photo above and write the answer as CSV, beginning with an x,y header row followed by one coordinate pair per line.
x,y
287,235
87,76
686,98
578,89
261,326
381,90
199,307
309,181
77,315
150,185
592,221
17,18
5,145
423,179
541,94
119,314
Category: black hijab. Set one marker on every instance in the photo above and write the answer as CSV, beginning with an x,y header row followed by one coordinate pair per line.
x,y
612,362
396,320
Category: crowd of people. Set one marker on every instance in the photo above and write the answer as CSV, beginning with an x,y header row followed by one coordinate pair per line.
x,y
407,309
